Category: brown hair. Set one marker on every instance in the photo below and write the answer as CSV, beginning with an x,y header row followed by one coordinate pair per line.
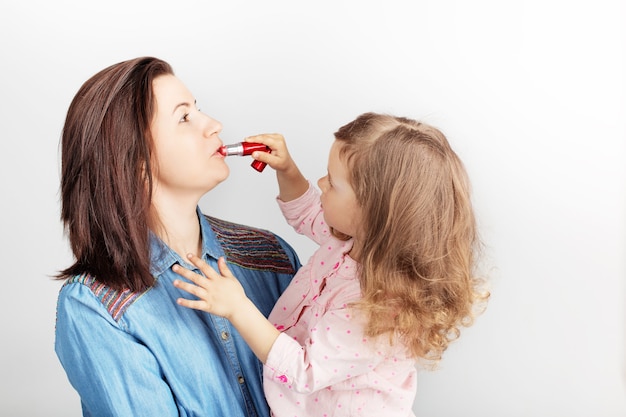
x,y
106,178
420,243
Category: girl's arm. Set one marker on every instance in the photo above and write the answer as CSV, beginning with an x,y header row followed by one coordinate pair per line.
x,y
334,352
291,182
222,294
304,215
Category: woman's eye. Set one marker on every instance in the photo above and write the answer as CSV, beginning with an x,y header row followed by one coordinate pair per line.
x,y
185,118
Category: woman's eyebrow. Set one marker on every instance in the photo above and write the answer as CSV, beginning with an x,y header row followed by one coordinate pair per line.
x,y
183,104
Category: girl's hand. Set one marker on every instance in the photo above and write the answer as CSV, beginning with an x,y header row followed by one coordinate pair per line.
x,y
291,182
221,294
218,293
279,159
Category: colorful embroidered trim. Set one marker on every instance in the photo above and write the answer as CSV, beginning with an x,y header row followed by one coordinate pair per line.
x,y
116,302
251,248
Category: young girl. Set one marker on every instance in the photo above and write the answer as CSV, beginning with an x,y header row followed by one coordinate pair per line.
x,y
391,283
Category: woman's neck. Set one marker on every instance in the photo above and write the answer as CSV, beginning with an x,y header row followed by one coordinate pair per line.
x,y
177,225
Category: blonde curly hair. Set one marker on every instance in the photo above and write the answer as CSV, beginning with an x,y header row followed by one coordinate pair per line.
x,y
419,252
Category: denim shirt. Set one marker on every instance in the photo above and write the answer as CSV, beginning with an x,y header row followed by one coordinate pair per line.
x,y
140,354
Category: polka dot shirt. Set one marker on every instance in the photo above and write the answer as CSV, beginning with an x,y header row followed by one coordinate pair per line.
x,y
322,364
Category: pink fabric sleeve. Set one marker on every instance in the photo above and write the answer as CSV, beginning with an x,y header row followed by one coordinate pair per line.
x,y
306,216
335,351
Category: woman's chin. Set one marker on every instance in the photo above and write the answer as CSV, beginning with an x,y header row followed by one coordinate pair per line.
x,y
220,174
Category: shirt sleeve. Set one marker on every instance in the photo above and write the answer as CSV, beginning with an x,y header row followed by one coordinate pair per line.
x,y
335,351
306,216
114,373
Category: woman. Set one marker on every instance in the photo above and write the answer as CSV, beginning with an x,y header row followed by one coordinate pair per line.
x,y
137,156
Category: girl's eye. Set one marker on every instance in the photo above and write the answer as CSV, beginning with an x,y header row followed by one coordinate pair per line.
x,y
185,118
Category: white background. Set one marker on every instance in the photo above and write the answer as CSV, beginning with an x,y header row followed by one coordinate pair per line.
x,y
531,94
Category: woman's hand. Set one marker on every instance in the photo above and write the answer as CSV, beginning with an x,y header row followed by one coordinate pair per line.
x,y
218,293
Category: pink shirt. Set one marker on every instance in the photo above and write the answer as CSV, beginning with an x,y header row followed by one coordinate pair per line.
x,y
322,364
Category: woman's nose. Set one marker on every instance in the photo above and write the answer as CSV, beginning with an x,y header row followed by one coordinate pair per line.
x,y
213,127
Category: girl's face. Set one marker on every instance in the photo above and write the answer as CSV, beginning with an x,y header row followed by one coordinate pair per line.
x,y
341,210
186,142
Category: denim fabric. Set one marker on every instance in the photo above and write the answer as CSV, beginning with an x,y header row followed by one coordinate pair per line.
x,y
156,358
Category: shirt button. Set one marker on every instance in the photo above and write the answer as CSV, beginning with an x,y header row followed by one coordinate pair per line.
x,y
225,335
240,379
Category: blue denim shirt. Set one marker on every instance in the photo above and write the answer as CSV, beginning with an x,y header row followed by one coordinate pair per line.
x,y
140,354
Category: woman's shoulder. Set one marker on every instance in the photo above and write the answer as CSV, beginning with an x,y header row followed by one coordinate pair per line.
x,y
116,302
253,247
225,228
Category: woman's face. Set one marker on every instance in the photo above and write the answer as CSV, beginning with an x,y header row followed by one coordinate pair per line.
x,y
186,143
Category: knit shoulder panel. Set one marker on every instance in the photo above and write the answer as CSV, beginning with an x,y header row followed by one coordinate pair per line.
x,y
116,302
250,247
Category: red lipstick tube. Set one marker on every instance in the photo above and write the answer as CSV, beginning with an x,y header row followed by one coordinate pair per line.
x,y
244,149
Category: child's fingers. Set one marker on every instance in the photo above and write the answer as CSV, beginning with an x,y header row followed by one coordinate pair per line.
x,y
195,304
275,141
190,275
223,267
200,293
202,266
190,288
268,158
268,139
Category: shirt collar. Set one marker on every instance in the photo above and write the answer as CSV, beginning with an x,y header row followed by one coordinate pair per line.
x,y
162,257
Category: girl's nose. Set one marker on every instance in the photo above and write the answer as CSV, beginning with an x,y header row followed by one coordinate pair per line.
x,y
320,184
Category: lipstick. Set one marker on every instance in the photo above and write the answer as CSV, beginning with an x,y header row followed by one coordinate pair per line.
x,y
244,149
